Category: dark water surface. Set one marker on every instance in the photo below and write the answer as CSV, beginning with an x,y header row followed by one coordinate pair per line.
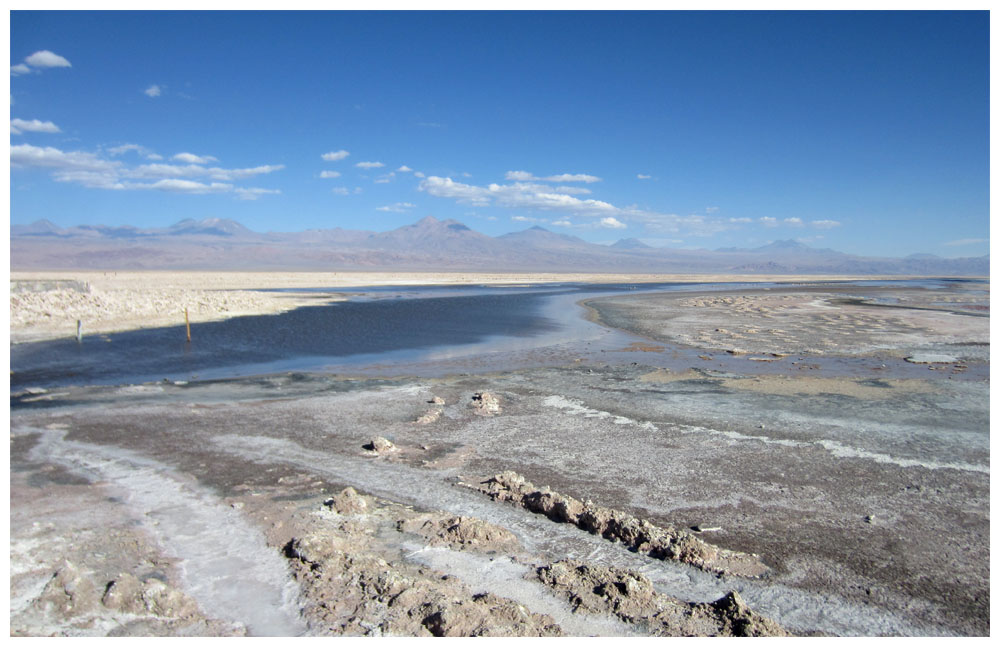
x,y
381,324
295,339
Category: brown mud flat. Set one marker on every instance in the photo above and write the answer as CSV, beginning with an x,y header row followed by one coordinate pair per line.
x,y
157,509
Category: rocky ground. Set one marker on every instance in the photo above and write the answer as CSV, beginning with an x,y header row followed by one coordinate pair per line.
x,y
630,496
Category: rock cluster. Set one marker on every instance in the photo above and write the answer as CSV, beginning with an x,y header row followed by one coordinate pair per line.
x,y
631,597
126,593
352,589
348,502
486,404
462,533
380,445
636,534
140,607
431,415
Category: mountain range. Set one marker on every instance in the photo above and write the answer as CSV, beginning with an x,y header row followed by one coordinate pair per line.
x,y
429,244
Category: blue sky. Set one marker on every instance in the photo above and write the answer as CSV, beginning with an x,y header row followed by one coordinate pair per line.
x,y
867,132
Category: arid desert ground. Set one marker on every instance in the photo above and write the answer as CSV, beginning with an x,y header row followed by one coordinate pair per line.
x,y
806,458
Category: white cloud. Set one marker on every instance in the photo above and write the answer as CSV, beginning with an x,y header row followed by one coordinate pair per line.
x,y
445,187
340,190
740,220
643,177
91,171
612,223
385,179
154,156
398,207
533,196
711,209
824,224
17,126
328,174
45,58
191,158
571,189
418,174
367,165
240,173
793,222
186,186
525,219
966,241
768,221
335,156
125,148
518,194
562,223
49,157
253,194
152,91
572,177
524,176
150,171
404,169
42,59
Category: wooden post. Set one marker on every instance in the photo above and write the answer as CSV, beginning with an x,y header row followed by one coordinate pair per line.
x,y
79,331
187,323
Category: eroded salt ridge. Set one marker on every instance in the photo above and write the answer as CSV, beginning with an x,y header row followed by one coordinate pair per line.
x,y
615,525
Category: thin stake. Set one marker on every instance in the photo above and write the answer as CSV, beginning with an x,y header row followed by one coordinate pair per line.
x,y
187,323
79,331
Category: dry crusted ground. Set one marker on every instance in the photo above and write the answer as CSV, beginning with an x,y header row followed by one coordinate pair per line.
x,y
88,570
812,321
902,539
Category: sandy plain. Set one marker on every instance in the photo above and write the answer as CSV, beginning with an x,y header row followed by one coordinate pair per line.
x,y
835,486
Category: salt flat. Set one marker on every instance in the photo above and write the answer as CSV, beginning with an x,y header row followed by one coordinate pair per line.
x,y
859,479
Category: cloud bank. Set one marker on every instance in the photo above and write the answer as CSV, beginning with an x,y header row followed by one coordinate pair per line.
x,y
18,126
94,172
542,197
525,176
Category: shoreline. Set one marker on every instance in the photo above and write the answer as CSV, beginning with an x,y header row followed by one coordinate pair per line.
x,y
132,300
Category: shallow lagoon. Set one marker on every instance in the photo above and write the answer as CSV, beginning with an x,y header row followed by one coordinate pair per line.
x,y
381,326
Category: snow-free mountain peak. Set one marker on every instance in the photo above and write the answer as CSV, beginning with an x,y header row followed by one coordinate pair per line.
x,y
209,226
631,243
